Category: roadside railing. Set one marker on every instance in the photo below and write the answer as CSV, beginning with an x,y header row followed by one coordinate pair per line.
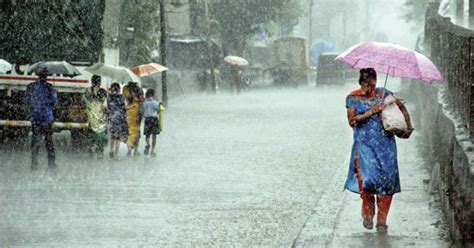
x,y
451,48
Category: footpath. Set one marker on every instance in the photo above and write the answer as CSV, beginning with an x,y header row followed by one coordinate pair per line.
x,y
415,218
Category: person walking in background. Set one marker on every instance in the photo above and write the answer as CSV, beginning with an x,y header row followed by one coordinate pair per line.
x,y
134,97
373,169
117,120
235,80
41,97
150,111
95,98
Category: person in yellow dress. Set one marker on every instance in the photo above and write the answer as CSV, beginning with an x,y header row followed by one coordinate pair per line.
x,y
134,97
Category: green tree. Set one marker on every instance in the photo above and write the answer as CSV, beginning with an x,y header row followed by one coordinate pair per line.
x,y
414,12
59,30
140,22
239,20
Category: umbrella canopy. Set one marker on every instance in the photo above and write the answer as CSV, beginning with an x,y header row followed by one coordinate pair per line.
x,y
114,72
391,59
54,67
147,69
235,60
319,48
5,66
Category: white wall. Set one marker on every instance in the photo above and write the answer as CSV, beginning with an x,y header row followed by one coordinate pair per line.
x,y
384,16
178,17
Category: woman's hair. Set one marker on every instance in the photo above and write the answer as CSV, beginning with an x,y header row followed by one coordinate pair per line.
x,y
367,73
95,80
150,93
101,94
115,87
43,76
132,85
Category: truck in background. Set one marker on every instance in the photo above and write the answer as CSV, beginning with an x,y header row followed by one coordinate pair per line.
x,y
14,112
290,62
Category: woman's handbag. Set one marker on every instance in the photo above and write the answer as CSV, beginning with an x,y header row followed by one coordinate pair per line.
x,y
160,116
393,118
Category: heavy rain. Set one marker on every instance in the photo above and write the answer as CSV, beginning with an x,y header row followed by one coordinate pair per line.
x,y
237,123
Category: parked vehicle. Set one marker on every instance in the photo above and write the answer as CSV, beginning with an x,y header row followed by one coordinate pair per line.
x,y
260,58
332,72
69,113
290,62
189,61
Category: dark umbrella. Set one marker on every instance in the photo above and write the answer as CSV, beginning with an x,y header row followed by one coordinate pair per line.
x,y
54,67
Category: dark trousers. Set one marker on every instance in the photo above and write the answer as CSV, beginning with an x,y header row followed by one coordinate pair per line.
x,y
39,130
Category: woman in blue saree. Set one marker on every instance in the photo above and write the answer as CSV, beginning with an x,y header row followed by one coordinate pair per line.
x,y
373,170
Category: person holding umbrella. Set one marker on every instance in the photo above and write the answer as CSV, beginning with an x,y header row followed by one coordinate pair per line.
x,y
235,80
235,74
41,98
373,170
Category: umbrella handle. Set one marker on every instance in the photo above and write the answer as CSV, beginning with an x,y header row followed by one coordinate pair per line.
x,y
386,77
385,84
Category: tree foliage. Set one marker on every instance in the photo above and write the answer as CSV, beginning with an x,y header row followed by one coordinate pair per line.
x,y
59,30
414,11
141,16
240,20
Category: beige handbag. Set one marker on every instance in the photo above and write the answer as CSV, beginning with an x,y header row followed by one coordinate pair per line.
x,y
393,118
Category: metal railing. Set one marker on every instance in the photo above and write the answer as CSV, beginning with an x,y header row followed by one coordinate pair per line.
x,y
451,48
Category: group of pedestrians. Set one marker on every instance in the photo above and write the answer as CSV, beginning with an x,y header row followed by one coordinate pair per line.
x,y
121,114
112,115
373,168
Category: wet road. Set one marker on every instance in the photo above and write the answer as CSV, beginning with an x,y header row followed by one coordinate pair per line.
x,y
251,170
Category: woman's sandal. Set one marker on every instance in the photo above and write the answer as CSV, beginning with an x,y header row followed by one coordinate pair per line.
x,y
381,228
368,224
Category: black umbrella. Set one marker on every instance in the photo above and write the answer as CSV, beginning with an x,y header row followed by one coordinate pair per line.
x,y
54,67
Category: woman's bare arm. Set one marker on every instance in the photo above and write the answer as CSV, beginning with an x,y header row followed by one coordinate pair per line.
x,y
355,119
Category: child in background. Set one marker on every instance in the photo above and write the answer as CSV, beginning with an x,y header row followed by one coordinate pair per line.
x,y
150,111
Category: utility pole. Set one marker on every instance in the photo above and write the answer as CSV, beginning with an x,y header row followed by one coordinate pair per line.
x,y
471,13
459,12
130,37
344,23
311,3
210,49
164,86
366,24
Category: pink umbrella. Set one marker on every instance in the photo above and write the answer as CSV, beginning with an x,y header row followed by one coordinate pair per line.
x,y
391,59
